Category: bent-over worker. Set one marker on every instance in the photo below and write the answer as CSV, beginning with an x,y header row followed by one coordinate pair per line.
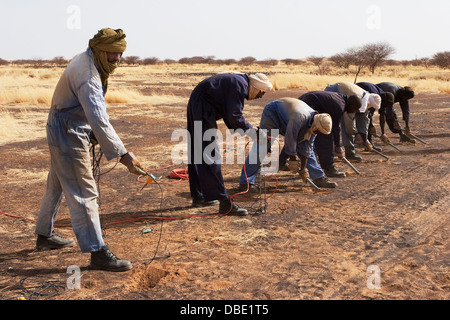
x,y
336,105
368,101
218,97
299,124
402,95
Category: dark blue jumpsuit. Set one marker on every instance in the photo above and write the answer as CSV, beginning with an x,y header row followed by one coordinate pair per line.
x,y
334,104
404,103
218,97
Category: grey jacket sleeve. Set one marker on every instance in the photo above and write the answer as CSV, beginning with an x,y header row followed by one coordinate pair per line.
x,y
90,95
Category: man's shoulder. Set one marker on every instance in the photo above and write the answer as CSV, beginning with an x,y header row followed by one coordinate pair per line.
x,y
82,68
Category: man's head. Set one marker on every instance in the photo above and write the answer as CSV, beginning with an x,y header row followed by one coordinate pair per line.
x,y
374,101
107,47
258,85
405,93
354,103
322,124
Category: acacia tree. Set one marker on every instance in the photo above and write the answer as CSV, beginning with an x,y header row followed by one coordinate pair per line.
x,y
375,53
317,61
357,57
370,55
131,60
342,60
442,59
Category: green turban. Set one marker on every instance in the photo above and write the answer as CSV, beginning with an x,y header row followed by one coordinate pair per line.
x,y
107,40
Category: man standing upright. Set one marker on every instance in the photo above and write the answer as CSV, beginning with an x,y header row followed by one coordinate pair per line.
x,y
78,111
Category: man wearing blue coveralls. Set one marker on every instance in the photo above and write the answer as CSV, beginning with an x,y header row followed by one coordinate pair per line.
x,y
78,110
299,124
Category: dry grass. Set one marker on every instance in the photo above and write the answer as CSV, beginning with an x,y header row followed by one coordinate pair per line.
x,y
22,125
125,95
144,89
18,176
419,78
250,236
28,95
134,84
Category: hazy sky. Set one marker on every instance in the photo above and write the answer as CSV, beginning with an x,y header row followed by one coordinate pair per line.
x,y
173,29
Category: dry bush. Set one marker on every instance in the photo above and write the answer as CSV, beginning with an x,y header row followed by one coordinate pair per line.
x,y
124,96
32,96
442,59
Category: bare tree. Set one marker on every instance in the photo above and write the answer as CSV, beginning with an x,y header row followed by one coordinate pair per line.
x,y
131,60
59,61
267,62
376,53
3,62
290,61
318,62
357,58
342,60
150,61
246,61
442,59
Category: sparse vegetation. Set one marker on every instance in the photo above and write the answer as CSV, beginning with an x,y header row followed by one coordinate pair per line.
x,y
442,59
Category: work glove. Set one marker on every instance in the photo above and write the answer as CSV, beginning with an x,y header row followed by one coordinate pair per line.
x,y
396,126
339,151
304,174
407,131
132,163
368,146
293,165
385,138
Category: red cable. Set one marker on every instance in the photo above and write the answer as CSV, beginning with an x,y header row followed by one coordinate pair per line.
x,y
183,176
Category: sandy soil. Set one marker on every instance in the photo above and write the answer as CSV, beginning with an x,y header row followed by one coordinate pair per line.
x,y
306,245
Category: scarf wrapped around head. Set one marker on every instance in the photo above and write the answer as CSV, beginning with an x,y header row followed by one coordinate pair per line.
x,y
370,100
322,123
107,40
261,82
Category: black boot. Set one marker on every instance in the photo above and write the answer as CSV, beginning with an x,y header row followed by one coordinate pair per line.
x,y
200,202
243,187
332,172
352,156
405,138
323,182
377,148
227,204
104,259
53,242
